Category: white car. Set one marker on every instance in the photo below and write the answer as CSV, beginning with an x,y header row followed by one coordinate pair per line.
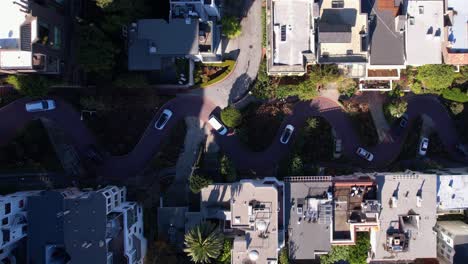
x,y
364,154
423,145
163,119
287,133
217,125
338,148
38,106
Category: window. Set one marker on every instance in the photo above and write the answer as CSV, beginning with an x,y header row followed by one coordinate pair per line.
x,y
421,10
108,200
57,44
5,221
43,34
21,204
338,4
7,208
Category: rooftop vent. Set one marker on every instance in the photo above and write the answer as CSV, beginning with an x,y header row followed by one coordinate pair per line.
x,y
253,255
152,48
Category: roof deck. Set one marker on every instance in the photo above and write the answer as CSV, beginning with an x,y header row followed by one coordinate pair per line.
x,y
458,33
343,32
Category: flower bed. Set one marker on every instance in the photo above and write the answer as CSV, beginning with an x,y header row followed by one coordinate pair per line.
x,y
211,73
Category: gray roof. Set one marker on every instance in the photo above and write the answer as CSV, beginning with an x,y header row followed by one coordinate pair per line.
x,y
176,38
84,222
305,239
43,225
386,45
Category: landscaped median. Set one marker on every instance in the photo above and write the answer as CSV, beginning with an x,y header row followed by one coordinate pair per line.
x,y
207,74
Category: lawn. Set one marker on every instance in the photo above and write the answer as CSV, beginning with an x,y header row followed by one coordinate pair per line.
x,y
31,150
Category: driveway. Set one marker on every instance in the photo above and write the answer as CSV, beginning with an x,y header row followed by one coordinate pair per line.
x,y
249,45
14,117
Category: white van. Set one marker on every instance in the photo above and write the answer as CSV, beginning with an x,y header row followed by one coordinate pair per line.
x,y
38,106
216,124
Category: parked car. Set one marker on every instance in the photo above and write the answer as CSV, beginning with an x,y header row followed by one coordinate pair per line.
x,y
163,119
217,125
94,155
364,154
287,133
38,106
423,145
338,148
404,120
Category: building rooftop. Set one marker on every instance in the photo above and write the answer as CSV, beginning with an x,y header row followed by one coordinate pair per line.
x,y
385,39
424,33
252,214
309,215
292,31
407,217
458,32
149,42
344,28
451,192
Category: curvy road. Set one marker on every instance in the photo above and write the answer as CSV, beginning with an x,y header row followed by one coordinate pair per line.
x,y
14,117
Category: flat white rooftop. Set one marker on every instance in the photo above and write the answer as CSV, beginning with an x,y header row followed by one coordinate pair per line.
x,y
293,18
425,32
452,192
458,32
12,18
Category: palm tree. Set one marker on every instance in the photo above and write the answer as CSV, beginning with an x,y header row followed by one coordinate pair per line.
x,y
203,243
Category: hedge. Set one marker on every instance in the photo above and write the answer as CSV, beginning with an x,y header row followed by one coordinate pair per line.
x,y
456,95
227,63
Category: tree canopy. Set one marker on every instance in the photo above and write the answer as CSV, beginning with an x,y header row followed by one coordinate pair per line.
x,y
97,52
436,77
30,85
231,26
203,243
397,108
356,254
231,117
198,182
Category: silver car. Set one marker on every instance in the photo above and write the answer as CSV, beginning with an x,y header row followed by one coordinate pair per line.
x,y
39,106
423,146
364,154
163,119
287,133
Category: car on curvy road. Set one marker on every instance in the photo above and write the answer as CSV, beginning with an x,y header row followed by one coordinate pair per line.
x,y
364,154
287,133
40,106
163,119
423,146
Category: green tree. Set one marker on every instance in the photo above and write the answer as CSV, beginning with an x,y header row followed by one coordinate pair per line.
x,y
356,254
225,256
312,123
203,243
96,51
436,77
456,95
397,108
456,108
103,3
197,182
228,171
231,116
231,26
30,85
296,166
284,256
263,87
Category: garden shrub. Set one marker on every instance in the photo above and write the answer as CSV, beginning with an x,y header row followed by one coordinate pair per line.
x,y
456,95
436,77
198,182
231,117
456,108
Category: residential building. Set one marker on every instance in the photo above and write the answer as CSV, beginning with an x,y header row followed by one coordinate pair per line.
x,y
331,210
455,46
452,192
387,26
452,242
309,216
251,212
196,36
82,226
32,36
424,32
407,218
13,215
343,35
291,36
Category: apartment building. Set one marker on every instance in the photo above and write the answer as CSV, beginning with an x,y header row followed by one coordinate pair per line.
x,y
452,242
452,192
33,36
455,46
343,36
82,226
13,215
